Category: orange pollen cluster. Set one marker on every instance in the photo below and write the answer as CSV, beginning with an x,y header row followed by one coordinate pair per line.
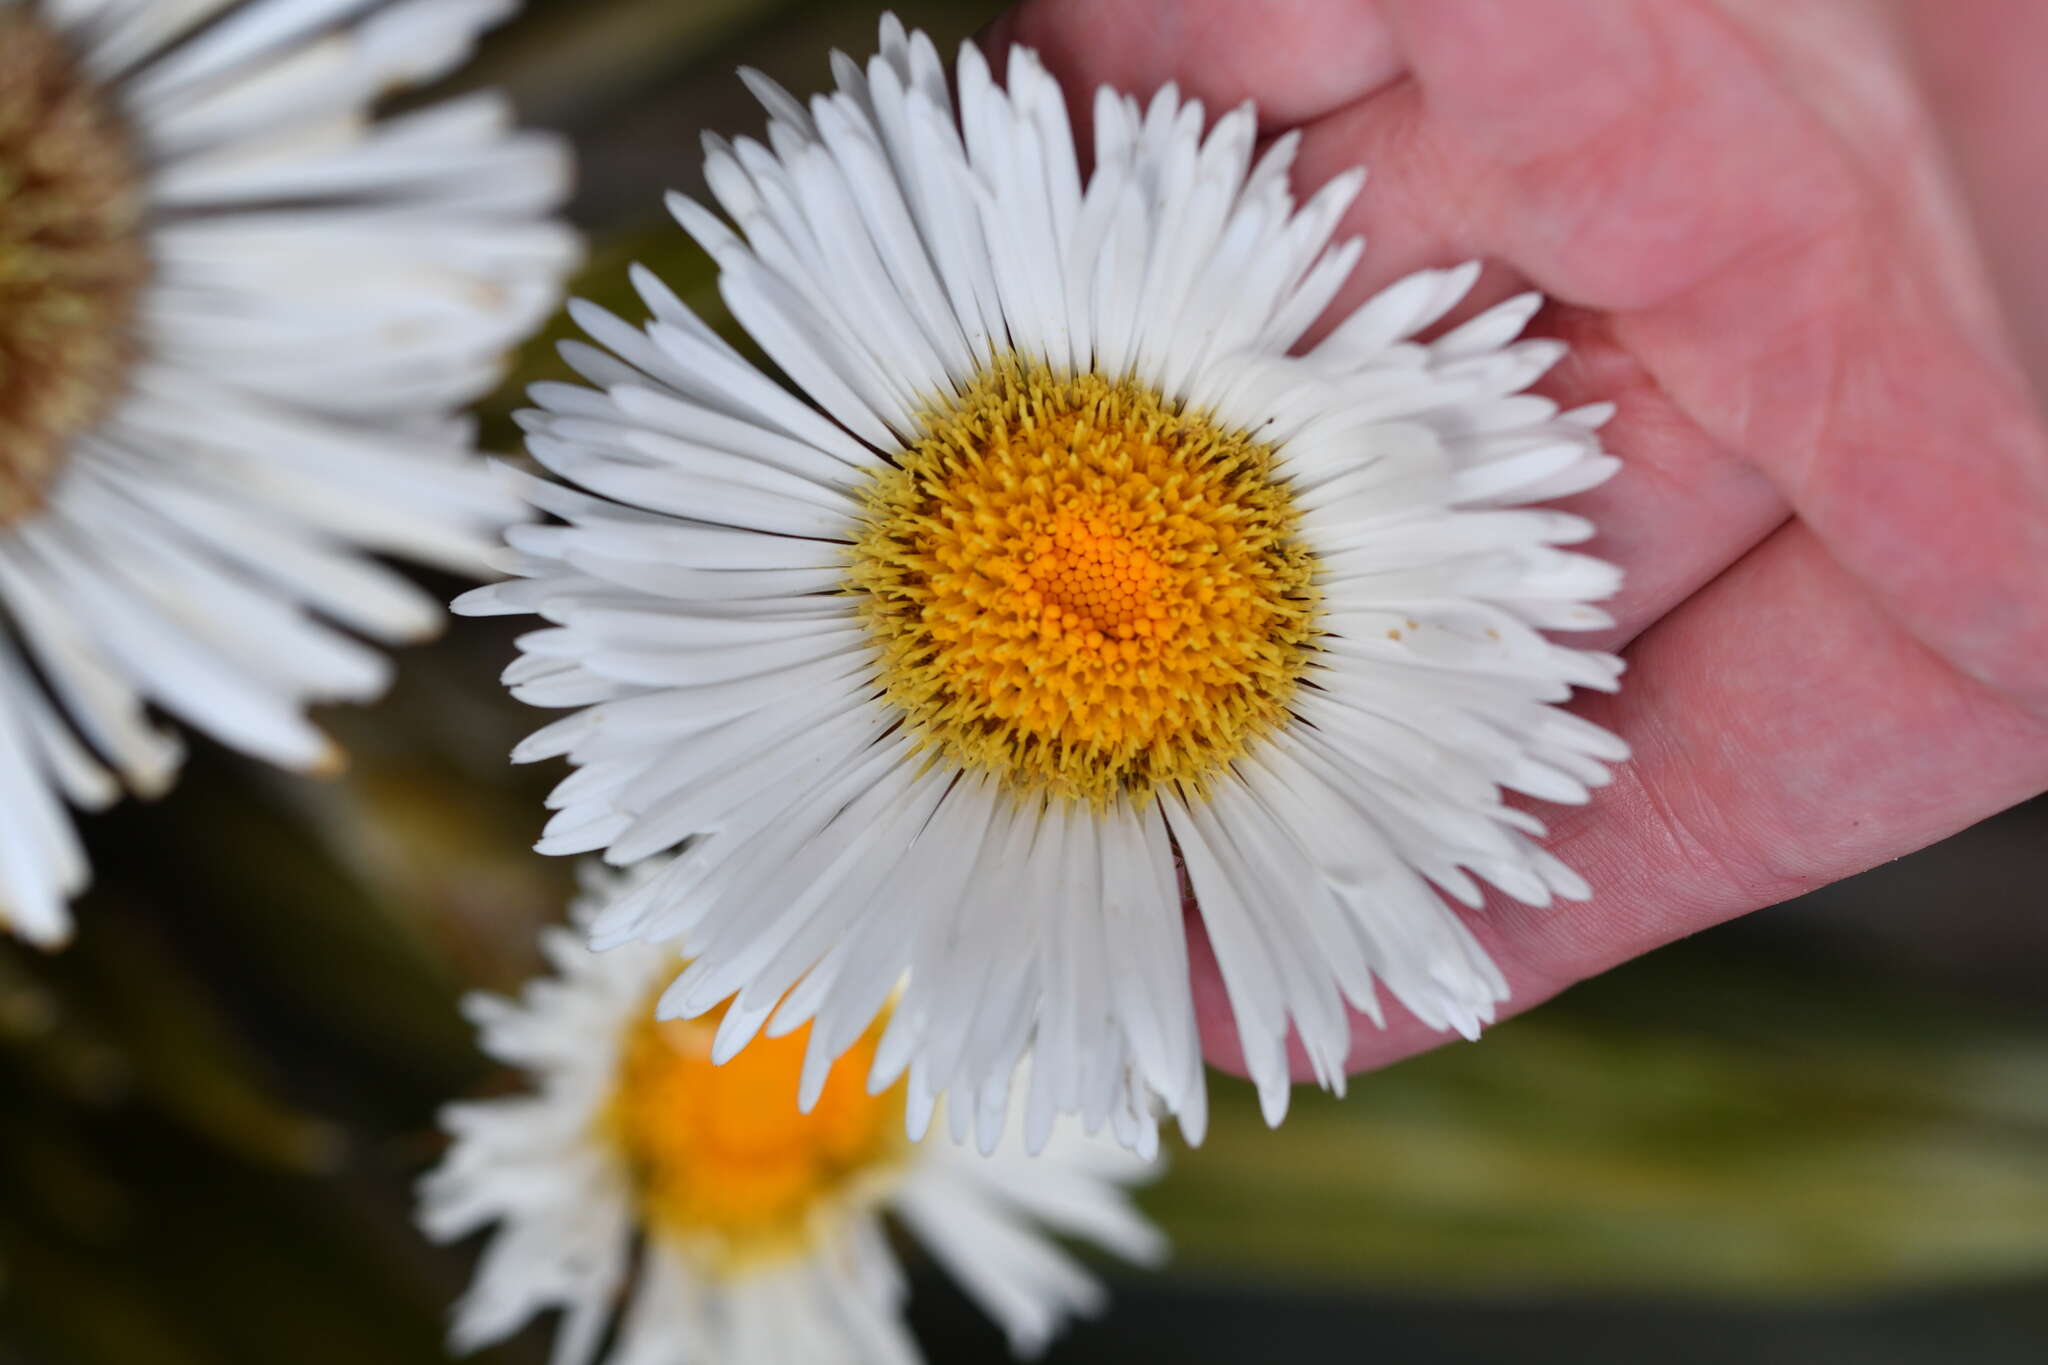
x,y
1082,588
719,1157
1093,572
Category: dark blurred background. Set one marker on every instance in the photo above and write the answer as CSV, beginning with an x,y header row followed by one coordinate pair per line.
x,y
1818,1134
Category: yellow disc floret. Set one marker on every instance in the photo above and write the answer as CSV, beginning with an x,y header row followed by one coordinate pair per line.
x,y
719,1156
1083,588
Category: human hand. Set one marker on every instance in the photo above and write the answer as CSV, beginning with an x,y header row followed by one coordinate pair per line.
x,y
1833,511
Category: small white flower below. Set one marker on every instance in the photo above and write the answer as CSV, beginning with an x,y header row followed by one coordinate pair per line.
x,y
645,1166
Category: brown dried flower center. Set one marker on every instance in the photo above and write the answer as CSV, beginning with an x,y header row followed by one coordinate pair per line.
x,y
71,256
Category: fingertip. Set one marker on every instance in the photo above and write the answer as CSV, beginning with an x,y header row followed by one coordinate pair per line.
x,y
1296,60
1538,73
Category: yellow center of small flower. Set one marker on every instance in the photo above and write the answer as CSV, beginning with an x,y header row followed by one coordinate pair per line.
x,y
1083,588
71,257
719,1156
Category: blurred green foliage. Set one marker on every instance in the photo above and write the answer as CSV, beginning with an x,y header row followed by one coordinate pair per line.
x,y
1699,1122
214,1102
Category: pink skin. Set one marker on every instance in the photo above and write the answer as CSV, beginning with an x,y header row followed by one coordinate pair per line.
x,y
1980,63
1757,228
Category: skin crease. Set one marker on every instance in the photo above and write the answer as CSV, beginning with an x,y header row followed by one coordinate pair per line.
x,y
1760,227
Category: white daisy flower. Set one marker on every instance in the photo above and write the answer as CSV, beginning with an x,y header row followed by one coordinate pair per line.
x,y
759,1230
1067,581
238,316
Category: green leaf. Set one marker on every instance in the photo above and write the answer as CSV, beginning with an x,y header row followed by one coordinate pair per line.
x,y
1690,1124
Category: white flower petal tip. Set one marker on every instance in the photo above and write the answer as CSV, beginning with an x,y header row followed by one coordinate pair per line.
x,y
289,302
776,1256
1066,575
43,926
329,762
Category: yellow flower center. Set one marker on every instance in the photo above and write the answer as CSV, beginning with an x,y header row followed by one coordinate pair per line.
x,y
71,257
1080,587
719,1156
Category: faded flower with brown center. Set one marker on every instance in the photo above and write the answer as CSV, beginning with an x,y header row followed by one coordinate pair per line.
x,y
239,317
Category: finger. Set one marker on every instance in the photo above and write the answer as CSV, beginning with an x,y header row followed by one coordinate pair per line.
x,y
1770,293
1684,505
1681,509
1299,59
1982,63
1786,734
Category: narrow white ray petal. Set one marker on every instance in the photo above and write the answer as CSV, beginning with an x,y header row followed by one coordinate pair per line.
x,y
1020,1280
1398,312
72,769
96,695
41,865
184,675
1251,978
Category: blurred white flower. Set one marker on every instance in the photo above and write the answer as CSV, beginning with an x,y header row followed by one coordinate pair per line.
x,y
1071,576
238,319
758,1229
